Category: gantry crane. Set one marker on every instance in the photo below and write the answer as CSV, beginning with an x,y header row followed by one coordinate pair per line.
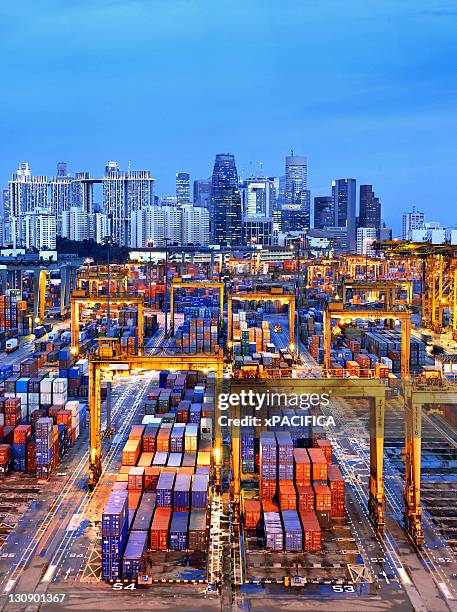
x,y
337,310
179,283
375,289
95,279
283,298
417,394
81,297
325,269
371,389
124,362
439,278
357,266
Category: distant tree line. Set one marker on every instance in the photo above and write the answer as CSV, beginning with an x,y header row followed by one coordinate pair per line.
x,y
94,250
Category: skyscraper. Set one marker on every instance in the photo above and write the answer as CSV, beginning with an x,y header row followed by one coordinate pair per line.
x,y
61,191
226,201
412,221
296,177
202,193
323,212
344,203
183,188
370,208
296,207
27,192
258,197
124,192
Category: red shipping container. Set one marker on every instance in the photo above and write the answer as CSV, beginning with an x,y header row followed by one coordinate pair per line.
x,y
302,466
159,528
22,434
31,457
136,478
267,489
5,453
163,439
305,498
323,497
251,513
319,469
312,534
287,495
336,485
269,506
326,447
136,432
151,477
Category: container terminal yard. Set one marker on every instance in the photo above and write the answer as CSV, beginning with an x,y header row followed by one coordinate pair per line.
x,y
252,429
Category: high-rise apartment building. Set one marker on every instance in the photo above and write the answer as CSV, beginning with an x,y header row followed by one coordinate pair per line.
x,y
26,192
414,220
324,215
195,225
226,201
183,188
366,236
123,193
370,208
344,203
75,224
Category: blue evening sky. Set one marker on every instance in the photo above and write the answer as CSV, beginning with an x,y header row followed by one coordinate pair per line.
x,y
365,89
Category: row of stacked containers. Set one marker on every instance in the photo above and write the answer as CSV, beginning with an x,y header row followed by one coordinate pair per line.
x,y
199,332
160,498
39,421
301,490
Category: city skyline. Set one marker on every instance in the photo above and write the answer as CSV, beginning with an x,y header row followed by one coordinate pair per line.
x,y
374,103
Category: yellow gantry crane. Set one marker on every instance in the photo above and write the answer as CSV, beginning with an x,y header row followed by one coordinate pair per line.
x,y
82,297
337,310
370,389
283,298
417,394
179,283
112,362
375,289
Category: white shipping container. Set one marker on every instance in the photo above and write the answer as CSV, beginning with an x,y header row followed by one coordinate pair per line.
x,y
59,399
34,398
387,361
2,419
46,385
46,399
148,419
23,397
9,394
73,405
60,385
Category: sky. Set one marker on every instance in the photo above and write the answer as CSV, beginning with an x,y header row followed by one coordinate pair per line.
x,y
365,89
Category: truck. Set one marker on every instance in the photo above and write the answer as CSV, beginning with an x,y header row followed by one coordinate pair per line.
x,y
40,331
11,345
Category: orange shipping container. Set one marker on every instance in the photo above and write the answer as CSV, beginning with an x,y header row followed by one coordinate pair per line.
x,y
302,466
251,513
312,534
287,495
323,497
319,469
159,529
305,498
326,447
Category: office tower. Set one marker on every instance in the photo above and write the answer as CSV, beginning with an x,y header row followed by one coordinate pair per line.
x,y
124,192
258,197
226,201
344,203
168,200
370,208
296,178
324,215
27,192
258,230
385,233
195,225
202,193
366,236
75,224
297,199
183,188
412,221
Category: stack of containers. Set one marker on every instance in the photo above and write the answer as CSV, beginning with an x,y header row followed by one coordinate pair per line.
x,y
74,407
273,531
114,534
247,450
312,534
12,411
159,529
22,435
336,485
178,530
268,465
293,537
137,544
198,531
165,489
59,391
44,447
200,484
5,459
